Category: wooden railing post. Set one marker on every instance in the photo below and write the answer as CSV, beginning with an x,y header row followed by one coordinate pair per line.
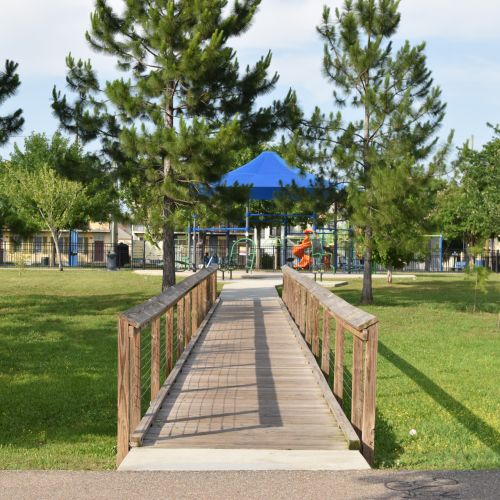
x,y
357,383
180,327
338,373
200,301
308,333
187,319
370,387
169,331
135,377
296,299
315,327
288,291
302,308
214,288
325,343
123,431
209,292
207,297
155,357
194,310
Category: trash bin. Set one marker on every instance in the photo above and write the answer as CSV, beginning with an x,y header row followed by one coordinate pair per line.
x,y
111,262
45,261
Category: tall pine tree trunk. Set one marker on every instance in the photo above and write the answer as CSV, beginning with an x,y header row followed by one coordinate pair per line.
x,y
168,279
367,292
168,247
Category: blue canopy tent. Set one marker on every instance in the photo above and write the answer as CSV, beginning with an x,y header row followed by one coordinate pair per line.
x,y
267,174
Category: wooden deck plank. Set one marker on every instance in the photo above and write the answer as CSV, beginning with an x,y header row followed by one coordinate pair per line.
x,y
246,384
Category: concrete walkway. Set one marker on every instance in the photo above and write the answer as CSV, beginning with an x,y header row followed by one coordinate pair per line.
x,y
241,274
382,484
250,288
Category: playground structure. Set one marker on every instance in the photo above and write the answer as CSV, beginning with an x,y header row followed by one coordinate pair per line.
x,y
300,250
242,246
326,249
312,255
267,175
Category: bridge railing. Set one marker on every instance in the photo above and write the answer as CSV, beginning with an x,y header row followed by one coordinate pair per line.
x,y
153,340
314,309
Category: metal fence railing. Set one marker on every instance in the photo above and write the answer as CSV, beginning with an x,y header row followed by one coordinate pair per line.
x,y
138,254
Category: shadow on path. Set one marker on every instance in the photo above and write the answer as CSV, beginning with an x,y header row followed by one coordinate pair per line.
x,y
263,371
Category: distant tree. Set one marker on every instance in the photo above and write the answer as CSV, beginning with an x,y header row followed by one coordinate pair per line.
x,y
69,160
400,112
9,83
182,108
404,197
469,208
43,199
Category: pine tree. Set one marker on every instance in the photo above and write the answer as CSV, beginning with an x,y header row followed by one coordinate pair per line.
x,y
9,82
182,107
399,108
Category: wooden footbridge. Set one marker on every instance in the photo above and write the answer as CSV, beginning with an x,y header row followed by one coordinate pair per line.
x,y
246,380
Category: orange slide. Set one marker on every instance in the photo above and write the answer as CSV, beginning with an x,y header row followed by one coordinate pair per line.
x,y
299,251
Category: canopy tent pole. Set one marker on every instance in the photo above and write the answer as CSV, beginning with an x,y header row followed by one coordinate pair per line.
x,y
284,234
195,264
247,233
189,243
335,239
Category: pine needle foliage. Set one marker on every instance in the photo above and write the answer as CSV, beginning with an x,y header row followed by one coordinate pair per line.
x,y
394,112
180,110
9,82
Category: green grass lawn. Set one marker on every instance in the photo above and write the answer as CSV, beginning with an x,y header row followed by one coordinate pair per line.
x,y
438,373
58,365
438,369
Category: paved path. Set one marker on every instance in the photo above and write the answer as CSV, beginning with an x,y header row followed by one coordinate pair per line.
x,y
246,398
276,485
241,274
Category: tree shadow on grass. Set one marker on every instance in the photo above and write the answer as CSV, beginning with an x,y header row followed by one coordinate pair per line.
x,y
69,408
456,295
489,436
387,447
58,357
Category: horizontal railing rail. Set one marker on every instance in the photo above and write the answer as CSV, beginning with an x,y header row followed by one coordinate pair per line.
x,y
146,357
312,308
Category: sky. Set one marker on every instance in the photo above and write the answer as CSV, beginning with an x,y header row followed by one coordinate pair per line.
x,y
462,36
